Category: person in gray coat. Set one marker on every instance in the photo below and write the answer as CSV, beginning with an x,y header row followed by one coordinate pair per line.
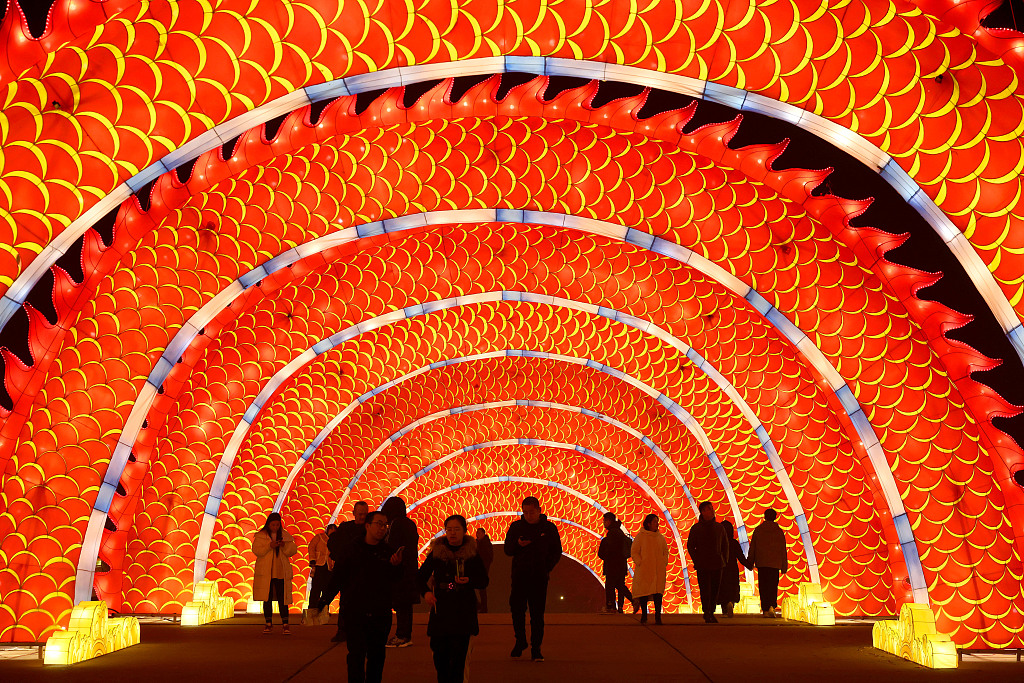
x,y
767,552
709,549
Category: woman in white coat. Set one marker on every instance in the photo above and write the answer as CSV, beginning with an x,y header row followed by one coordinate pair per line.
x,y
650,566
272,579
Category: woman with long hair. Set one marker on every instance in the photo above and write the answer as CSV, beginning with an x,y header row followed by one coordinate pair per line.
x,y
650,567
272,578
449,577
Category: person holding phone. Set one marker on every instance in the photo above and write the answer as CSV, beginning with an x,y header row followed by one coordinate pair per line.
x,y
272,576
448,579
367,573
402,532
535,547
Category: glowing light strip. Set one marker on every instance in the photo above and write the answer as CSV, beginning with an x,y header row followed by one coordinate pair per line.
x,y
830,131
673,408
487,406
868,438
664,509
564,446
338,338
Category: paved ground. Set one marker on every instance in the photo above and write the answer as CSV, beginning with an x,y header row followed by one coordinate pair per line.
x,y
578,647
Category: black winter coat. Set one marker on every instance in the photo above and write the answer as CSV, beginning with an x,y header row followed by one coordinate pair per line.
x,y
403,533
614,551
535,561
367,576
708,545
455,612
342,539
729,589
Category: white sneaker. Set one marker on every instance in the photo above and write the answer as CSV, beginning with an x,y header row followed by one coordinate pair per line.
x,y
769,614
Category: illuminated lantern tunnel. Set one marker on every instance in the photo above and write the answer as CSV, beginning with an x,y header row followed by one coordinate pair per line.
x,y
285,256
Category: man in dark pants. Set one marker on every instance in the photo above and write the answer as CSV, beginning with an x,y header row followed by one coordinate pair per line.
x,y
367,574
708,546
535,547
403,533
768,553
614,551
338,546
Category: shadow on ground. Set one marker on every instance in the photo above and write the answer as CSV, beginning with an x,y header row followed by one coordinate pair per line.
x,y
578,647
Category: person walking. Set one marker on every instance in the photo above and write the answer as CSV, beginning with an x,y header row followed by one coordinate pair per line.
x,y
449,577
403,533
535,547
614,551
367,573
320,566
767,552
485,549
272,577
729,591
650,567
709,551
338,546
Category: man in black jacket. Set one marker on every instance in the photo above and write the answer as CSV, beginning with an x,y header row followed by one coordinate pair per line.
x,y
709,549
535,547
403,533
614,551
367,574
338,546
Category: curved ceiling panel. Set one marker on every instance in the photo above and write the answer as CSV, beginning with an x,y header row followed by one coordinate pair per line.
x,y
214,339
205,72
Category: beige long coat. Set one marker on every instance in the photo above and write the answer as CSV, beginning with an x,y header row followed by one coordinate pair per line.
x,y
265,565
650,563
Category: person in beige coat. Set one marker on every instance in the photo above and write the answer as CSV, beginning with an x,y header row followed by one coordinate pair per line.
x,y
272,578
650,567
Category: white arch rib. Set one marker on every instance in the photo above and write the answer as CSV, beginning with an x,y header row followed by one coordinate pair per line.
x,y
282,376
811,354
618,467
561,487
832,132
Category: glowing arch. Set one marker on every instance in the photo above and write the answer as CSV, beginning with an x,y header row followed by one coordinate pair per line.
x,y
986,208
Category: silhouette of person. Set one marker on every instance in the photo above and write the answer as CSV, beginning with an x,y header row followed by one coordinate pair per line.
x,y
535,547
729,591
614,552
485,549
367,574
767,552
709,550
403,533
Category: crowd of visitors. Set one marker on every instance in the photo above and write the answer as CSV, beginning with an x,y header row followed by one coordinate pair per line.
x,y
370,561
